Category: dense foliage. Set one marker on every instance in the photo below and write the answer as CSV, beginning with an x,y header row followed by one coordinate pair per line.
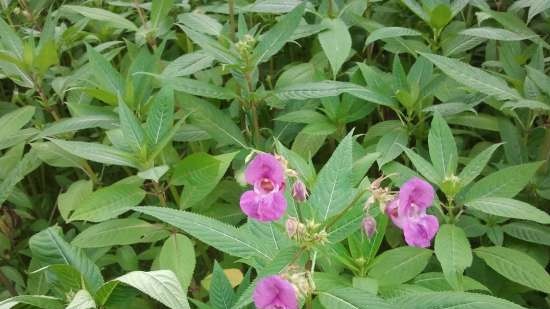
x,y
333,154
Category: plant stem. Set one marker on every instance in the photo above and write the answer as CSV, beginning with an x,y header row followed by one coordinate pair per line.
x,y
150,40
231,8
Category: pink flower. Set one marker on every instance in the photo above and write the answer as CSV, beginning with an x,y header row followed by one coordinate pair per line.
x,y
408,212
275,293
266,202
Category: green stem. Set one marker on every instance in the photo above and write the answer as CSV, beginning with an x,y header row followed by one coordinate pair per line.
x,y
231,8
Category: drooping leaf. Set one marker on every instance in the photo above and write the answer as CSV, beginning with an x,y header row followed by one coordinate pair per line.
x,y
178,255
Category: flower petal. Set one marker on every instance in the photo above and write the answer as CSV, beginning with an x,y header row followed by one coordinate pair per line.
x,y
420,231
274,292
265,166
263,207
416,191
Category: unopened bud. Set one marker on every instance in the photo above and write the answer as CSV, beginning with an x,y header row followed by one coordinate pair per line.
x,y
299,191
369,226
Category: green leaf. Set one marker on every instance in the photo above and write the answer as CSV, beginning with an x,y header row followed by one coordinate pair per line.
x,y
29,163
333,188
200,173
13,121
161,285
390,32
399,265
214,121
509,208
529,231
454,253
222,295
108,202
98,153
391,145
159,12
514,148
474,78
110,18
78,123
476,165
133,133
506,182
160,117
417,9
442,146
82,300
118,232
201,23
496,34
198,88
351,298
188,64
336,43
49,247
40,301
55,156
104,73
315,90
424,167
67,202
452,300
516,266
211,46
178,255
221,236
273,40
440,16
10,40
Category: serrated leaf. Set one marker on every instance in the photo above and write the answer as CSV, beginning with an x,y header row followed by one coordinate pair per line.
x,y
15,120
442,147
161,285
506,182
476,165
423,167
118,232
399,265
452,300
390,32
453,251
221,236
516,266
198,88
336,43
273,40
201,23
188,64
391,145
26,165
78,123
495,34
160,117
82,300
115,20
333,187
40,301
474,78
529,231
50,247
199,173
133,133
108,202
178,255
98,153
509,208
159,11
351,298
222,295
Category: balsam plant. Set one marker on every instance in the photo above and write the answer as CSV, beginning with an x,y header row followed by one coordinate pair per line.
x,y
287,154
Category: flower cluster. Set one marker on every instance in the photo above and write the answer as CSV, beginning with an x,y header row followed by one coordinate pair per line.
x,y
408,212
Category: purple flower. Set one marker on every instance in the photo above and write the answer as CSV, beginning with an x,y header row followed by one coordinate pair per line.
x,y
299,191
369,226
266,202
408,212
275,293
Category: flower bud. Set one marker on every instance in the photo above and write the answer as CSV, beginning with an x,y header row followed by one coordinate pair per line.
x,y
299,191
369,226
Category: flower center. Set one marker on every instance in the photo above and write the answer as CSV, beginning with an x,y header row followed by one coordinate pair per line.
x,y
267,185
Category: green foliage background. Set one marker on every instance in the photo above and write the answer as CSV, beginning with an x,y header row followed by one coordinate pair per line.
x,y
125,127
